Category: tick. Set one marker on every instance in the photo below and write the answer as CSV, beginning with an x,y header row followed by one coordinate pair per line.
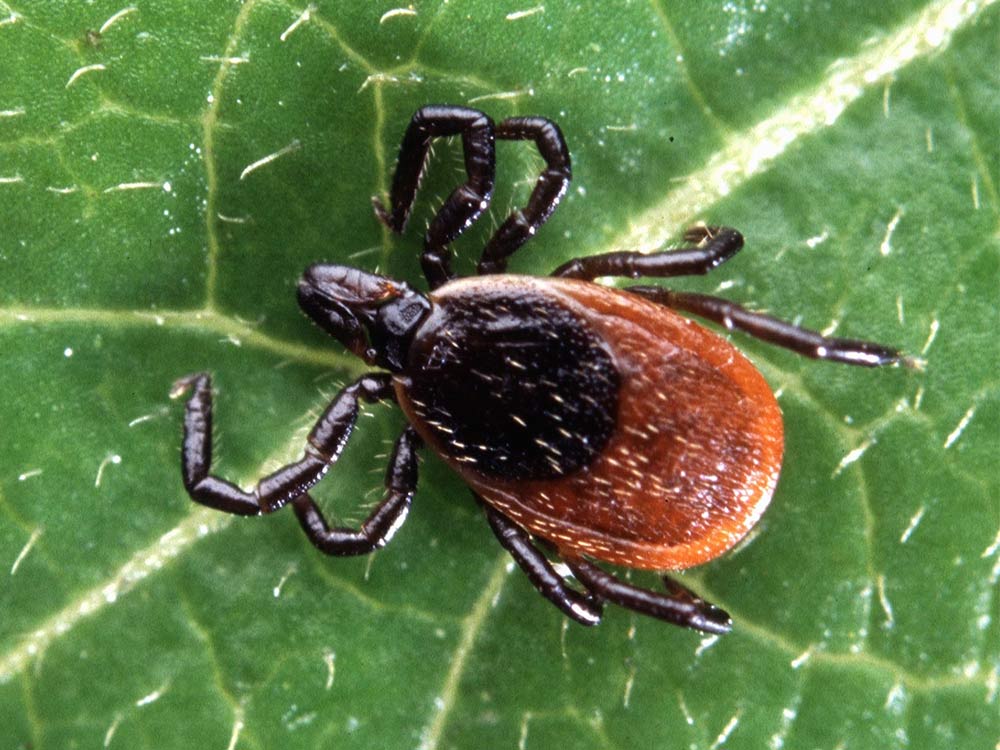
x,y
590,423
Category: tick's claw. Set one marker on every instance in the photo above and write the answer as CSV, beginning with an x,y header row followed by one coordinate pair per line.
x,y
183,385
699,233
394,223
380,212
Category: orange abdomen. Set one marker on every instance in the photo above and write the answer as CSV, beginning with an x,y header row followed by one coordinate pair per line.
x,y
670,472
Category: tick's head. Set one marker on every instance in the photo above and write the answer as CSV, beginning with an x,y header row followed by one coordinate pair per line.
x,y
373,316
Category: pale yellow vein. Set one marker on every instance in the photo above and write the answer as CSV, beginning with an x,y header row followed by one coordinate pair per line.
x,y
752,151
232,329
210,122
140,566
472,625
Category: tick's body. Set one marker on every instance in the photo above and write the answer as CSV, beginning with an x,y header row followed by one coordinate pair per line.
x,y
607,424
594,420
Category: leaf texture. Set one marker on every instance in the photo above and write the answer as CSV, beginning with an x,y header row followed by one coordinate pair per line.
x,y
168,169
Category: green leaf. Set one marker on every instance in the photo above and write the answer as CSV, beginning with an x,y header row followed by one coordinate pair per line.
x,y
167,170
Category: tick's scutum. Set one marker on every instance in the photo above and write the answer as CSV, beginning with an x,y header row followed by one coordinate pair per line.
x,y
517,387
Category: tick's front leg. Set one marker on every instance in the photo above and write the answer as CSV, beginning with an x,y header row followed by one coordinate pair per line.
x,y
710,247
775,331
323,447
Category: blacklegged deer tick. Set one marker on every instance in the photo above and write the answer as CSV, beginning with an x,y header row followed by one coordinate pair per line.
x,y
594,422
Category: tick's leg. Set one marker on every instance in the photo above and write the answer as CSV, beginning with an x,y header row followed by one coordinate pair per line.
x,y
583,608
551,186
323,447
466,202
710,247
775,331
383,521
678,606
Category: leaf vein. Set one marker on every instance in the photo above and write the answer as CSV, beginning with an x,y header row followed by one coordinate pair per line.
x,y
685,70
472,625
210,120
751,152
227,327
927,684
203,634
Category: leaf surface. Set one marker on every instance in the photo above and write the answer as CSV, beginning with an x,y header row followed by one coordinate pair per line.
x,y
167,170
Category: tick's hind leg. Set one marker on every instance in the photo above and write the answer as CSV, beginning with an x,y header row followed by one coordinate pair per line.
x,y
678,606
775,331
383,521
551,186
583,608
323,447
711,247
465,203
